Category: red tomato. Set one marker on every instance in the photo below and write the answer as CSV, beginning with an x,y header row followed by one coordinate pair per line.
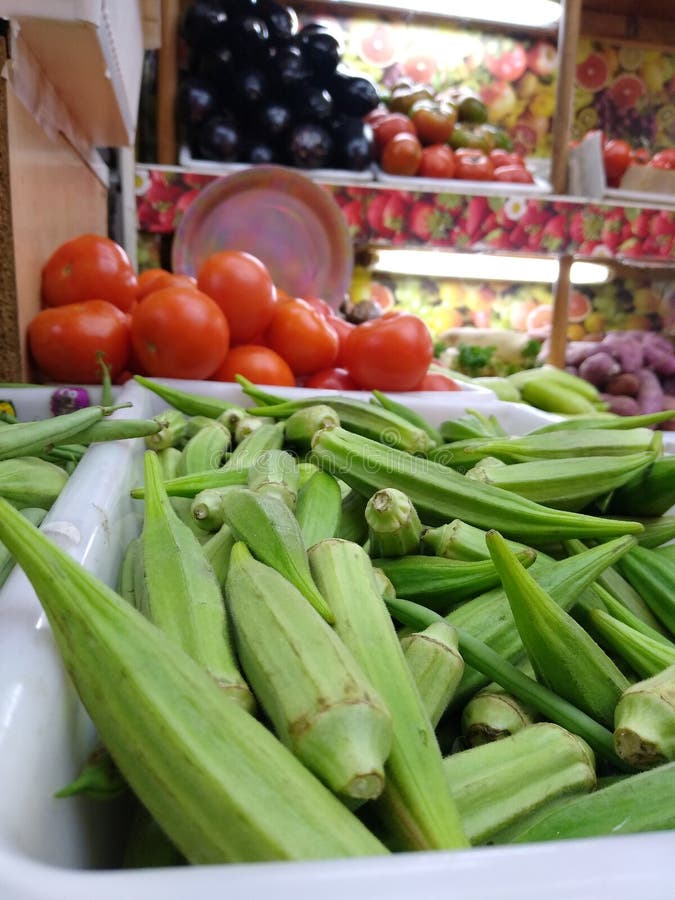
x,y
513,174
179,333
640,156
331,380
434,122
155,279
387,126
401,155
303,337
437,381
320,306
343,329
242,287
438,161
473,165
64,340
500,157
257,363
391,353
616,156
664,159
89,267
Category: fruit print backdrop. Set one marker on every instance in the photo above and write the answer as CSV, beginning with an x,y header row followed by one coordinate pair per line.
x,y
627,92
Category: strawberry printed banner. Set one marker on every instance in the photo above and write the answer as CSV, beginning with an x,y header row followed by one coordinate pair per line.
x,y
394,217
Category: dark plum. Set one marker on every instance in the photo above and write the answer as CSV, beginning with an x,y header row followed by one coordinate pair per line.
x,y
314,103
219,139
197,99
320,49
310,146
275,119
259,153
289,69
218,65
353,94
354,144
281,21
250,88
205,25
250,38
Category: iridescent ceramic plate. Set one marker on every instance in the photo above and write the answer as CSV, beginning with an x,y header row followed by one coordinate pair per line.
x,y
279,215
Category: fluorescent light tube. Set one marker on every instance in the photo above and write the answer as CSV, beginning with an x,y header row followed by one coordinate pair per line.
x,y
484,267
525,13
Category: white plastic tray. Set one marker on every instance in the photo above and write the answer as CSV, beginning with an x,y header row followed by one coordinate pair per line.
x,y
465,186
55,849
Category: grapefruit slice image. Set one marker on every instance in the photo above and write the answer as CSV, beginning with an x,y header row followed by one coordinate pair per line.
x,y
592,73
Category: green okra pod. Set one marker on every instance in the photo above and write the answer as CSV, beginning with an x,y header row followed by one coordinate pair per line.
x,y
646,655
99,778
318,508
320,703
33,514
606,420
243,797
563,655
127,579
571,483
183,595
275,472
650,494
433,658
31,481
555,445
116,430
267,437
394,528
459,540
33,438
217,550
205,450
621,612
416,803
186,402
363,418
353,525
247,425
497,784
657,531
191,485
493,714
469,426
272,533
405,412
639,803
644,725
301,426
441,494
207,508
441,583
653,576
172,432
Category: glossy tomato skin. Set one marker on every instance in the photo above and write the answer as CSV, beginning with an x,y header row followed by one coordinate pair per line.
x,y
334,379
616,156
401,155
664,159
89,267
343,329
388,126
179,332
242,286
303,337
64,340
258,363
512,173
391,353
155,279
473,165
438,161
437,381
500,157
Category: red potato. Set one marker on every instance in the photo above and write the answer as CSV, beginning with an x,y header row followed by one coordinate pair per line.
x,y
668,403
621,405
626,383
625,348
599,368
650,394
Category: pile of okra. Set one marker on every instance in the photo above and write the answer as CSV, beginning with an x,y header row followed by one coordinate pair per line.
x,y
396,636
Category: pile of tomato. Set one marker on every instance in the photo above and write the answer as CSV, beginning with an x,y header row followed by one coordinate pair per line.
x,y
618,156
231,319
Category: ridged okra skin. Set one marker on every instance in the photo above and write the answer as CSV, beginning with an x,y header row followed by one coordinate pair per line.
x,y
318,508
182,593
31,481
653,576
563,655
307,681
489,617
416,805
436,664
631,805
493,714
645,654
243,797
275,472
394,528
644,723
441,494
498,783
